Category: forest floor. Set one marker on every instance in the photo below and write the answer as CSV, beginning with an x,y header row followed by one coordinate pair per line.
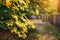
x,y
50,32
45,32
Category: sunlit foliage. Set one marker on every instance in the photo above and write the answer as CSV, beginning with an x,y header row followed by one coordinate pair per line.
x,y
45,6
12,17
13,13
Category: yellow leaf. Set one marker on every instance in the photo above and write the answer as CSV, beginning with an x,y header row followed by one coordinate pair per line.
x,y
37,12
8,3
13,30
14,16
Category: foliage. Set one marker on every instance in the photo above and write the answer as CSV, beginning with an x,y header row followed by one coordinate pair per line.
x,y
12,17
45,6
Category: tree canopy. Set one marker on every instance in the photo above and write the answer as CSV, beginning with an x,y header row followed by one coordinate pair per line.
x,y
13,14
12,17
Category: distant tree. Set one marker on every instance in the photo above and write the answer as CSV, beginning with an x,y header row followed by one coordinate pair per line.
x,y
44,6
